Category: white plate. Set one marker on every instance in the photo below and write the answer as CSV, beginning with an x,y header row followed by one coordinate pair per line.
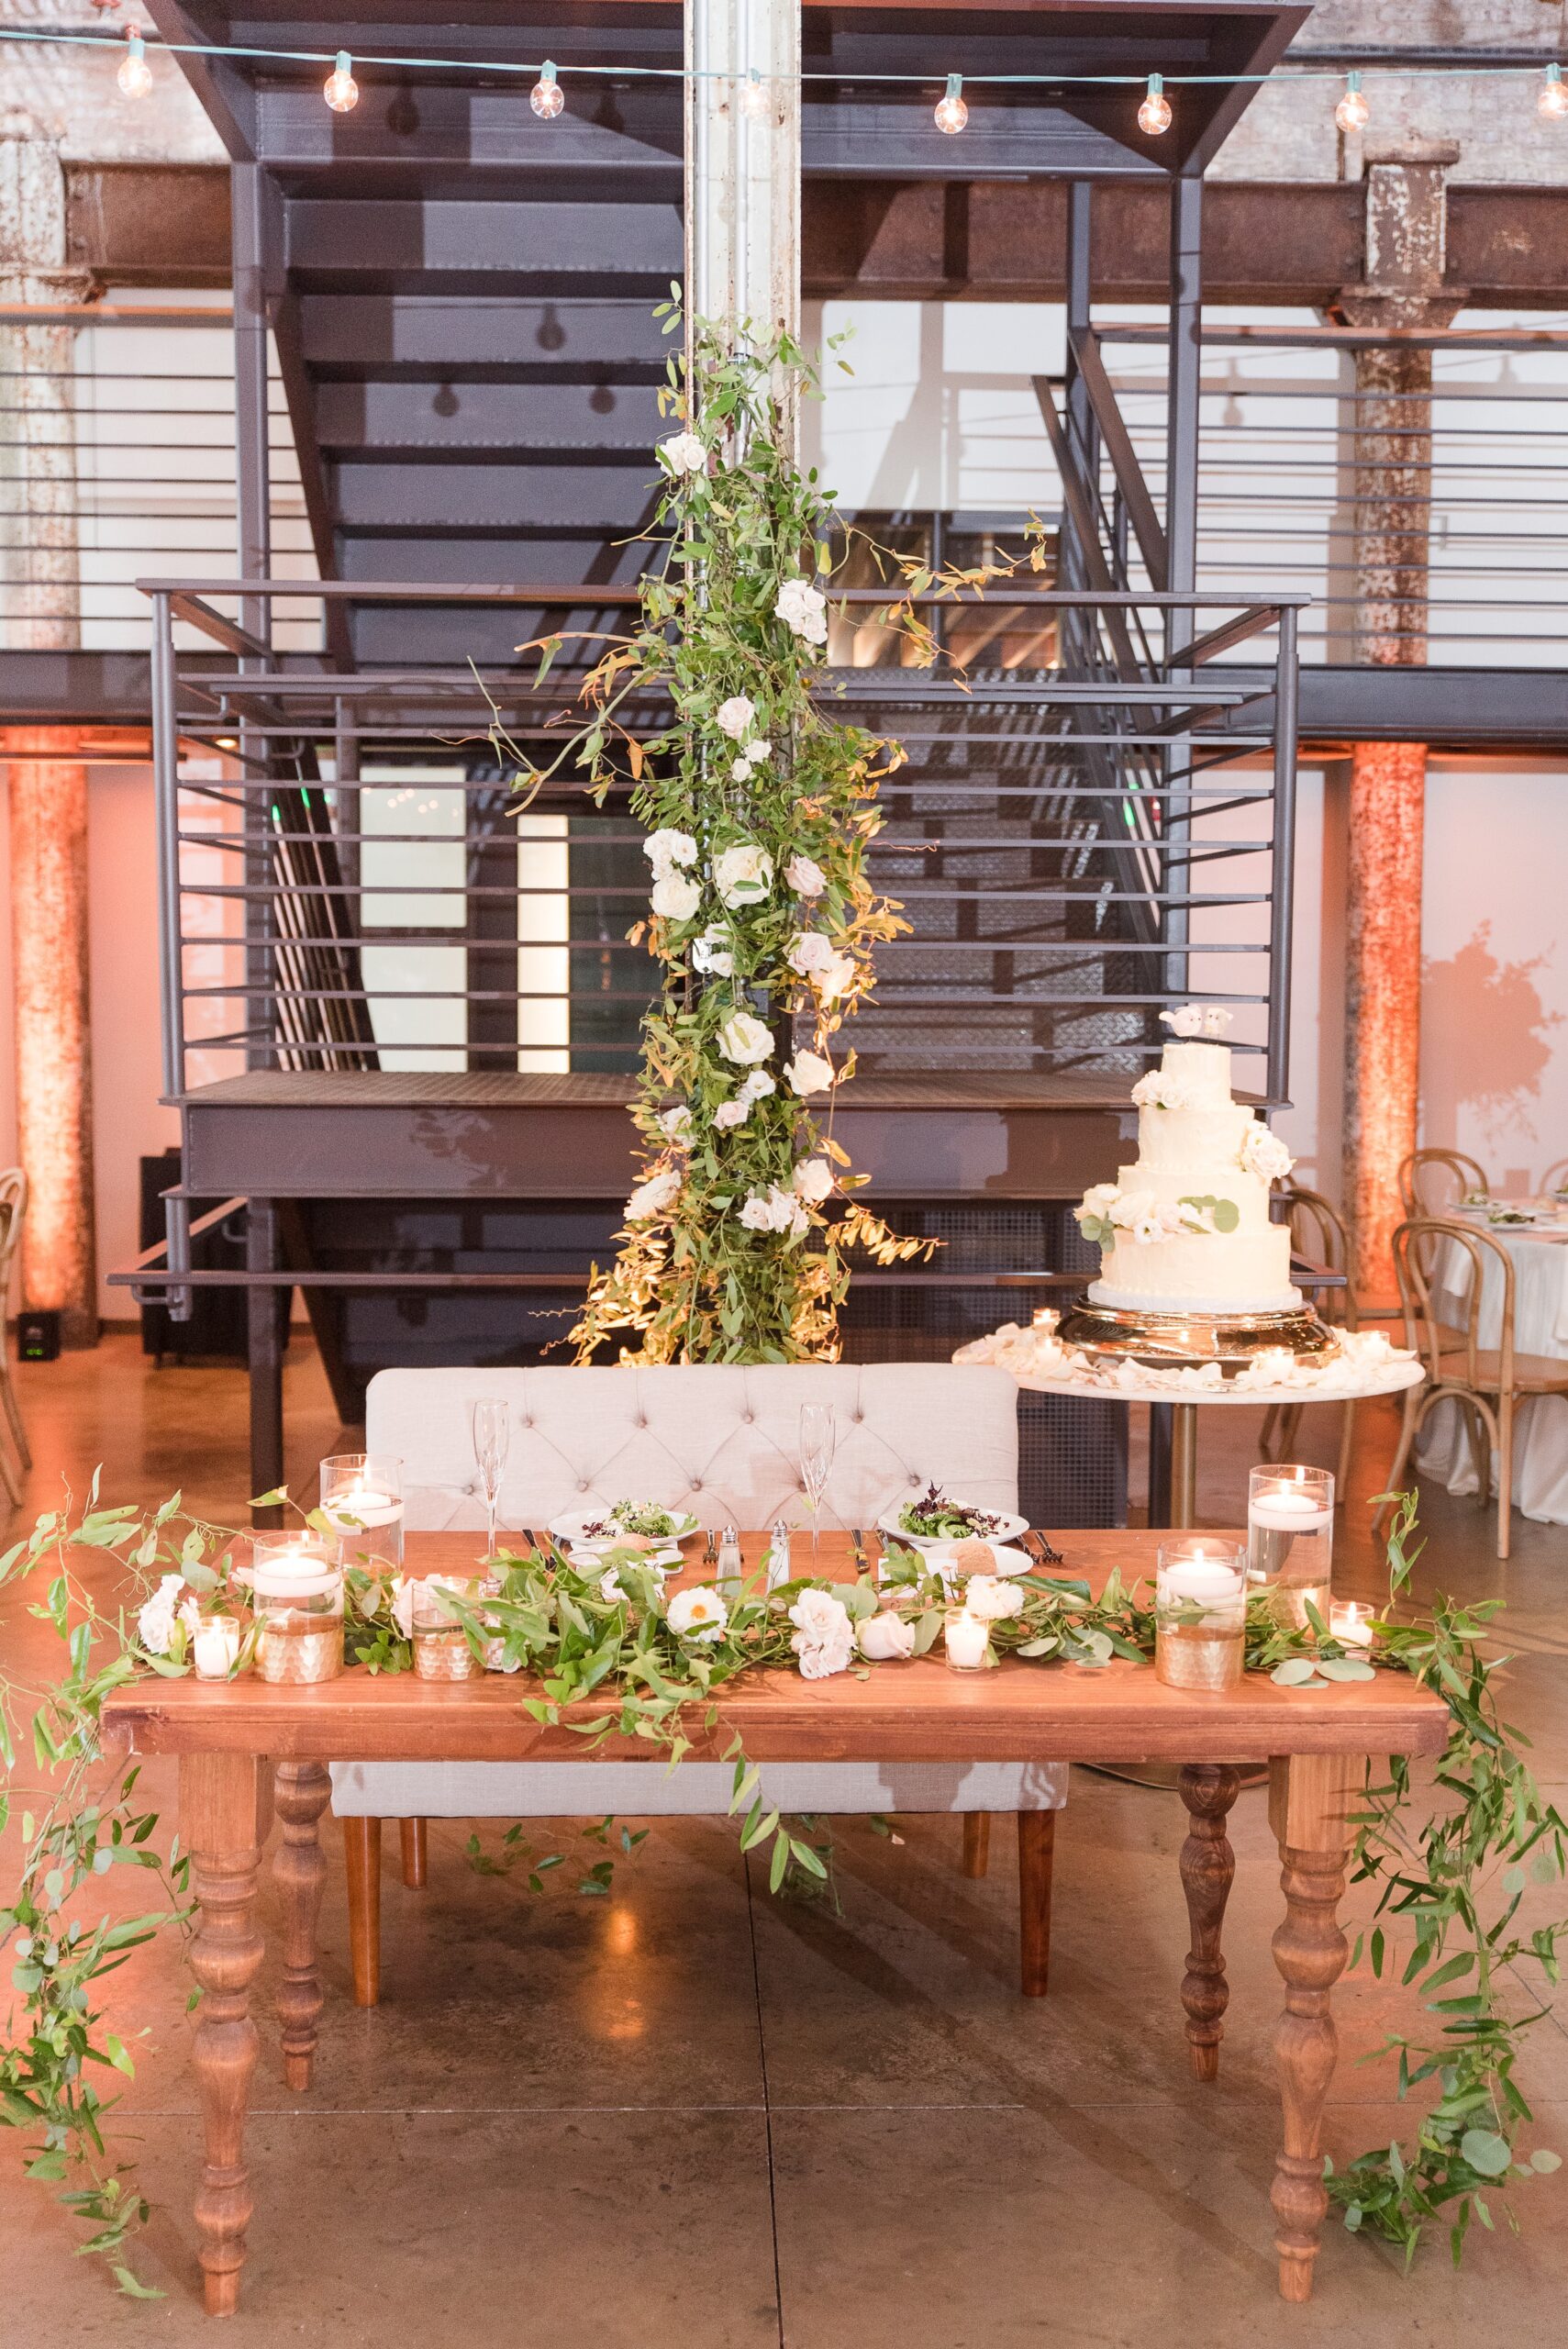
x,y
573,1528
939,1556
1007,1528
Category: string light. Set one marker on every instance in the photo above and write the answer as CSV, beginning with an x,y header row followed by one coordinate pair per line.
x,y
1155,114
1553,99
341,91
1352,113
547,97
753,96
135,76
952,114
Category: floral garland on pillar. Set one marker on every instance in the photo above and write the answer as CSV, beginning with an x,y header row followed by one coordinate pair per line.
x,y
760,811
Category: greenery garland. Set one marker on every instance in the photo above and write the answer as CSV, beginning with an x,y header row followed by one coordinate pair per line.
x,y
654,1668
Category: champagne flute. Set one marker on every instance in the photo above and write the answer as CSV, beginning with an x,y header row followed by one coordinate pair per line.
x,y
818,1437
491,1434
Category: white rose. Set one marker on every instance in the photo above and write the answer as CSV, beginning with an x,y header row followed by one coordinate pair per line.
x,y
757,1214
820,1615
711,954
1158,1091
805,877
698,1614
1132,1207
757,752
732,1113
744,1038
809,1073
742,875
740,771
683,453
1264,1154
821,1659
675,1124
155,1617
813,1179
675,897
1185,1021
835,977
402,1605
758,1085
809,951
992,1599
734,716
804,610
667,847
886,1639
654,1196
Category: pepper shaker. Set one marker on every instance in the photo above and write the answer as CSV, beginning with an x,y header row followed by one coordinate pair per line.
x,y
779,1568
731,1568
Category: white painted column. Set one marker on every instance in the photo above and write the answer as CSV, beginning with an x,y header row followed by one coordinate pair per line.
x,y
743,165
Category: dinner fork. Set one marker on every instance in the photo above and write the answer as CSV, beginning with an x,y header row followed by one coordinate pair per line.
x,y
857,1536
710,1549
1042,1553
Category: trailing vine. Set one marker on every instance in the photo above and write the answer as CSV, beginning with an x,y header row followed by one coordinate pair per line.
x,y
611,1654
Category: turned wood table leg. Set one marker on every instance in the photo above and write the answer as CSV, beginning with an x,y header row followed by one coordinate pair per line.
x,y
302,1791
976,1841
1209,1863
1310,1798
219,1811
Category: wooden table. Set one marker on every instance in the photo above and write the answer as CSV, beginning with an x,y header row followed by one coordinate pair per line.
x,y
245,1744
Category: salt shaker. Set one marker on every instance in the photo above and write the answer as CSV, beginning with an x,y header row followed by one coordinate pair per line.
x,y
731,1568
779,1569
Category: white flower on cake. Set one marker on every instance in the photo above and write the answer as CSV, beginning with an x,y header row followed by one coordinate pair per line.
x,y
1263,1155
676,896
886,1639
683,453
1197,1019
698,1615
813,1180
824,1636
711,954
734,716
809,1073
805,877
651,1198
1158,1091
992,1598
745,1039
742,875
804,610
667,847
1153,1222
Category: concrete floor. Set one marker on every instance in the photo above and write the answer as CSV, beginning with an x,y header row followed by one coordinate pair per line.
x,y
689,2117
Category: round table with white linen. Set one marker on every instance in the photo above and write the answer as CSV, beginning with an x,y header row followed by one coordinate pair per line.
x,y
1539,1256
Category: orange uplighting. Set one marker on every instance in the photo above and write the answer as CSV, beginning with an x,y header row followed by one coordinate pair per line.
x,y
1388,782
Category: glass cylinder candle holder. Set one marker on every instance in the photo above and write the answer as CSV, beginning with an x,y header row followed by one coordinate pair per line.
x,y
966,1638
1200,1613
441,1650
215,1646
297,1591
1290,1541
361,1499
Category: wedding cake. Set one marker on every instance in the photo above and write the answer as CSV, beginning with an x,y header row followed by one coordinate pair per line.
x,y
1186,1228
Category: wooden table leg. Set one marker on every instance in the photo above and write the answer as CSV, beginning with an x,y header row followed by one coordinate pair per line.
x,y
1208,1864
302,1792
220,1802
415,1849
976,1841
1309,1797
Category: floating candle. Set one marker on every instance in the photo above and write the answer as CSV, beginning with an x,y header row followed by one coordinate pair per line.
x,y
1288,1508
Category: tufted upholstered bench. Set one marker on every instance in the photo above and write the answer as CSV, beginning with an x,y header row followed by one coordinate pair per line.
x,y
721,1441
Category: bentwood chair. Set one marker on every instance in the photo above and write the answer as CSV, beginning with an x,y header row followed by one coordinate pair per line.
x,y
722,1442
1433,1182
1556,1179
1318,1232
1485,1382
13,1213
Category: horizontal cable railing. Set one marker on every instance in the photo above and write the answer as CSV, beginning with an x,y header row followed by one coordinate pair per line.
x,y
349,883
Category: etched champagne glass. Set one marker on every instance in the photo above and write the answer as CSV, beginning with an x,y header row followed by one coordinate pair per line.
x,y
818,1437
491,1434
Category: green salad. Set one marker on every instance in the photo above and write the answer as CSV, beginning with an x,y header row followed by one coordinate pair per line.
x,y
642,1517
937,1519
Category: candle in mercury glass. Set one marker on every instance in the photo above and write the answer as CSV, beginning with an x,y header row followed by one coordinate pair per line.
x,y
1200,1614
967,1639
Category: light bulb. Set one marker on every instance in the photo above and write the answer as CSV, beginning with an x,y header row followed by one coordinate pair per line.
x,y
1553,99
1352,113
341,91
1155,114
952,114
753,96
547,97
135,76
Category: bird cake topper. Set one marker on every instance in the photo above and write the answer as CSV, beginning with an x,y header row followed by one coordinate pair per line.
x,y
1197,1020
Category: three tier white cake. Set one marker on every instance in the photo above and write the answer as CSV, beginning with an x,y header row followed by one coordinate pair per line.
x,y
1186,1228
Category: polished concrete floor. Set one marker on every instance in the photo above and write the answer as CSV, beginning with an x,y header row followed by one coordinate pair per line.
x,y
689,2117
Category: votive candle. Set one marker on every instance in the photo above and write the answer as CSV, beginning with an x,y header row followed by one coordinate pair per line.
x,y
967,1639
215,1646
1351,1623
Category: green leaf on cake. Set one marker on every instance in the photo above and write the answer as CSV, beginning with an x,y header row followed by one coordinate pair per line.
x,y
1224,1214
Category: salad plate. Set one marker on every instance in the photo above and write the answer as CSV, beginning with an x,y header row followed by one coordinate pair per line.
x,y
935,1519
947,1559
599,1529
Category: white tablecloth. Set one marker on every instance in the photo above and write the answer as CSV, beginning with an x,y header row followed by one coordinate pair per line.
x,y
1540,1327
